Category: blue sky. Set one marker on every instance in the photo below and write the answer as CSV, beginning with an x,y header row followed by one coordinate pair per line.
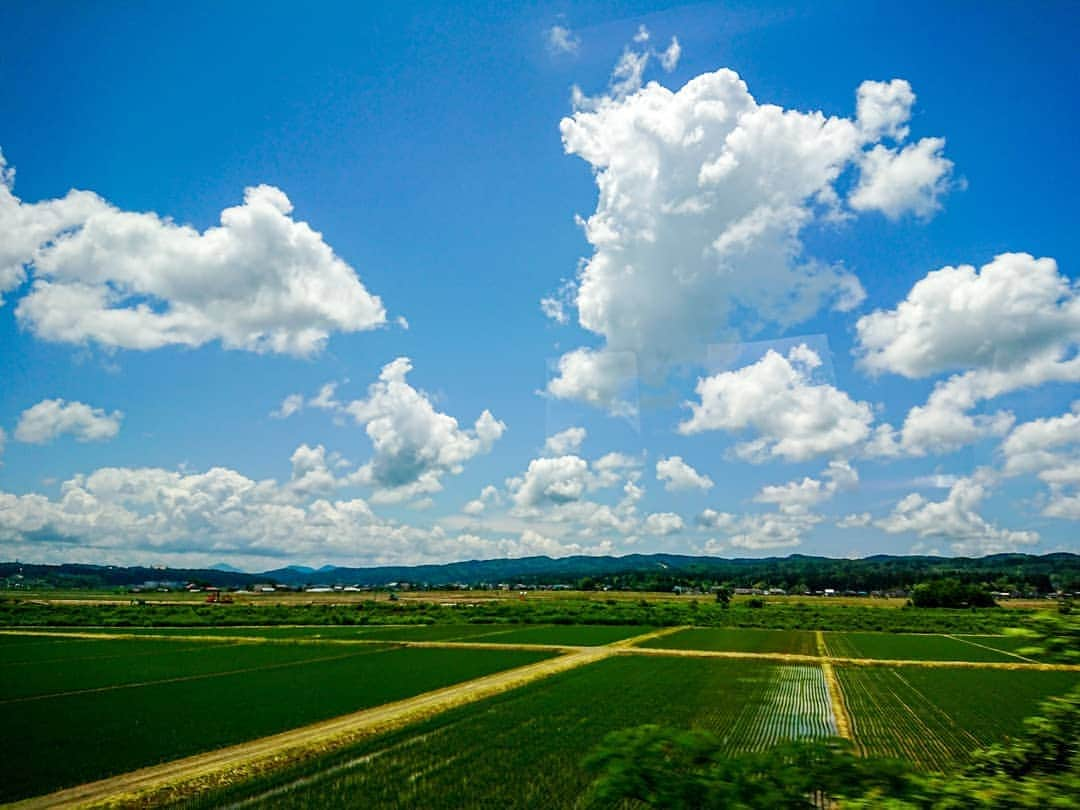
x,y
693,287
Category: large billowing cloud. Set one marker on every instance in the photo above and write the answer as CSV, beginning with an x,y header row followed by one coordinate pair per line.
x,y
415,445
24,227
794,416
260,281
703,198
52,418
956,519
1012,324
1000,316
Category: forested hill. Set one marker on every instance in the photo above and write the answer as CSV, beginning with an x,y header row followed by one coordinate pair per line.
x,y
1007,572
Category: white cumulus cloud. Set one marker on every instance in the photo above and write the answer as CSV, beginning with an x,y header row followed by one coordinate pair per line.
x,y
414,444
793,416
552,480
677,475
1012,324
900,181
52,418
663,523
956,518
883,109
1001,316
565,442
854,521
1049,449
703,196
260,281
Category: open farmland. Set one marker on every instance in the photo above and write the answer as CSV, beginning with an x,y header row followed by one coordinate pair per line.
x,y
524,749
801,642
226,698
935,717
912,647
143,701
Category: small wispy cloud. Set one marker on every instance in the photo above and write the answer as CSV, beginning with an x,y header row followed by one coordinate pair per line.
x,y
669,59
561,39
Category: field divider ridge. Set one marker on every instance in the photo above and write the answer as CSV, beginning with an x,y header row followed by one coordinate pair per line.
x,y
803,658
836,694
633,641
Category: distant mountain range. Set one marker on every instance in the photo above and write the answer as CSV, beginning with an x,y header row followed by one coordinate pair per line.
x,y
635,571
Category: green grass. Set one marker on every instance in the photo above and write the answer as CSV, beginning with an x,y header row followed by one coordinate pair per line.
x,y
110,664
62,650
738,640
908,647
1003,643
69,739
524,749
934,717
779,614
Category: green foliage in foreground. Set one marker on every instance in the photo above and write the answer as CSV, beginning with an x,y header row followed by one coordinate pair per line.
x,y
658,767
657,613
1052,637
933,718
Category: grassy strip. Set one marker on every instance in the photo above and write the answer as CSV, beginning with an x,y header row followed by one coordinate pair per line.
x,y
777,614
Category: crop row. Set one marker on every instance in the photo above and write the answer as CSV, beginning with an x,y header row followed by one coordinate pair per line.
x,y
934,717
525,748
796,706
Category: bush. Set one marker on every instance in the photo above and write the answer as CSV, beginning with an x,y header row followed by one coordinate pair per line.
x,y
950,593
